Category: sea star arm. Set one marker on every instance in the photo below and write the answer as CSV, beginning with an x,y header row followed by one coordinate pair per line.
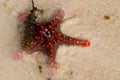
x,y
66,39
58,19
53,64
51,54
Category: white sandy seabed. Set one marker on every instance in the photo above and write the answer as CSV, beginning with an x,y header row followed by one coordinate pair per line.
x,y
84,19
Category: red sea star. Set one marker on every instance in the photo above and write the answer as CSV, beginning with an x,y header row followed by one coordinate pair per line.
x,y
45,34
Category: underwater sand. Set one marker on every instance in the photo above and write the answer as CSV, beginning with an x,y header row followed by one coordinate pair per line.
x,y
95,20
